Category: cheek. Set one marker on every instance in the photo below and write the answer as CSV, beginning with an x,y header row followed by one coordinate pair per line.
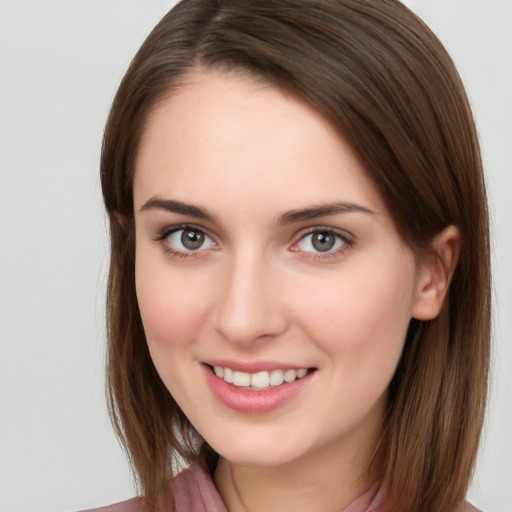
x,y
173,310
171,304
362,316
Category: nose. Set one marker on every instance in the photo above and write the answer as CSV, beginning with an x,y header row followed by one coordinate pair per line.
x,y
250,308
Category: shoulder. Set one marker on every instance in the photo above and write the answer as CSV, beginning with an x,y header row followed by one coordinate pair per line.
x,y
133,505
467,507
193,490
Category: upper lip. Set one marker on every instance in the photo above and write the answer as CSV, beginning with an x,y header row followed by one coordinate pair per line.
x,y
253,366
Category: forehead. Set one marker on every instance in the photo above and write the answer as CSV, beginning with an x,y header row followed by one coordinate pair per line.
x,y
224,136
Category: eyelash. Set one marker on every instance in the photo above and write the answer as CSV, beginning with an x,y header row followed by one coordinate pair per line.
x,y
168,231
346,240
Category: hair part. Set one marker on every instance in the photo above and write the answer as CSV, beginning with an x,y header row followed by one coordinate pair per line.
x,y
386,83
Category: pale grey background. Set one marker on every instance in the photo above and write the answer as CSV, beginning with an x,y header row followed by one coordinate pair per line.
x,y
60,63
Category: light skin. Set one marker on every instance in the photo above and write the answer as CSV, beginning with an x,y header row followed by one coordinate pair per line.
x,y
253,176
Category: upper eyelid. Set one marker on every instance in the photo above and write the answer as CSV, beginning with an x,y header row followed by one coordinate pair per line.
x,y
348,241
168,230
299,235
162,239
316,229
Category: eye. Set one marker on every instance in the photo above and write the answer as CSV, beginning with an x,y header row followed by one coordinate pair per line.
x,y
323,241
187,239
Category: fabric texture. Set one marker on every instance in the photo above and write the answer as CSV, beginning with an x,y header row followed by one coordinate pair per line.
x,y
194,491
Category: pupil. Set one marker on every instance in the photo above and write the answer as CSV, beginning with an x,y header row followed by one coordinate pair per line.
x,y
192,239
323,242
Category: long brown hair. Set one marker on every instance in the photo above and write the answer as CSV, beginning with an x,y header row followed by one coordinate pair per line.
x,y
380,76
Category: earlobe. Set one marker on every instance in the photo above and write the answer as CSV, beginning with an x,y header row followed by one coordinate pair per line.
x,y
435,274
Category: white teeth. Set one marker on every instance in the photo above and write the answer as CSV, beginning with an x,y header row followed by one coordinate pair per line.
x,y
241,379
259,380
276,377
290,375
228,375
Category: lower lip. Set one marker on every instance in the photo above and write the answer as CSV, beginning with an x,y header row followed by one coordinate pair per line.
x,y
254,402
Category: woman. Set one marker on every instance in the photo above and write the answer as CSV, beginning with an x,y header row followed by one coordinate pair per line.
x,y
298,302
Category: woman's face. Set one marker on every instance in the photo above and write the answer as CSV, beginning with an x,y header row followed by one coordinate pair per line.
x,y
263,253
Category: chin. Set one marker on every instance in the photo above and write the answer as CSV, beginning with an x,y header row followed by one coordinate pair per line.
x,y
261,453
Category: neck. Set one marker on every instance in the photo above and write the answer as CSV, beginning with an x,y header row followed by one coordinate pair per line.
x,y
329,481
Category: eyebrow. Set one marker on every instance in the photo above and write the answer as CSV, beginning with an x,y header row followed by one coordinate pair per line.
x,y
289,217
173,206
322,210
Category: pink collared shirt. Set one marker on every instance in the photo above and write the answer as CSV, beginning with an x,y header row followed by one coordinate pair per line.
x,y
194,491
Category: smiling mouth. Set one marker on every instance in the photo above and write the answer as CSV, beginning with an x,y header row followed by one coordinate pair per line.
x,y
259,381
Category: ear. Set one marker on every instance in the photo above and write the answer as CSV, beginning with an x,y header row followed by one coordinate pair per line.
x,y
435,274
